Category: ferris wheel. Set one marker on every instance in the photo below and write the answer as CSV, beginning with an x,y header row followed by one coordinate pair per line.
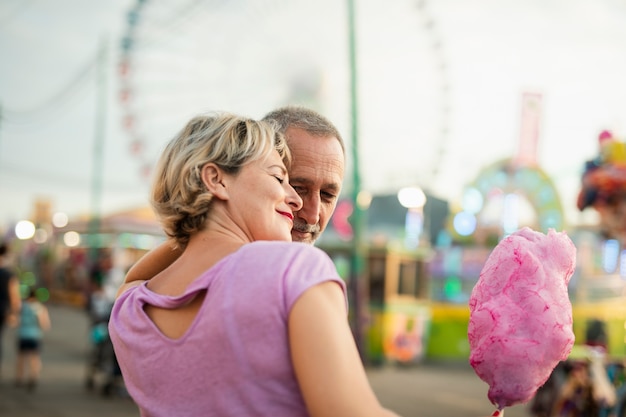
x,y
178,59
181,59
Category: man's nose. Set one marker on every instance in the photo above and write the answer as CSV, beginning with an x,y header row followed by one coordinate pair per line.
x,y
310,211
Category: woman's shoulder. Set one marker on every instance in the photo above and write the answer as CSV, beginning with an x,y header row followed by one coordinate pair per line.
x,y
281,253
284,248
292,256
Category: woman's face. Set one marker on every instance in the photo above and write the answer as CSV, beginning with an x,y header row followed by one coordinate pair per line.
x,y
261,201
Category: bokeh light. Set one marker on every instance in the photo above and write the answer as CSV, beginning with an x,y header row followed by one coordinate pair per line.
x,y
59,219
42,294
464,223
71,239
412,197
24,229
472,200
41,235
28,279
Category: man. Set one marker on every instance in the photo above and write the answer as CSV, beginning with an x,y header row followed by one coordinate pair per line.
x,y
317,168
10,300
316,173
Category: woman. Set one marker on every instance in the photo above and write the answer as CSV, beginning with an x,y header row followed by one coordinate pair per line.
x,y
34,320
244,322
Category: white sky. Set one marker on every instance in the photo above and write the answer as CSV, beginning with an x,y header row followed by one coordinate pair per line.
x,y
251,56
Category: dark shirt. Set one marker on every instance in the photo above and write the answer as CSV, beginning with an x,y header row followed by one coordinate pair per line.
x,y
5,301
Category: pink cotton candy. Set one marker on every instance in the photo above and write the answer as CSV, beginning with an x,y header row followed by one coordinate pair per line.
x,y
520,314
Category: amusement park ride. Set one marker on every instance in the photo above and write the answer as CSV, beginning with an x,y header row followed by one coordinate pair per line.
x,y
417,297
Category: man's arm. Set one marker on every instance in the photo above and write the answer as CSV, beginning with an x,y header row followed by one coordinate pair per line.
x,y
14,295
15,301
153,262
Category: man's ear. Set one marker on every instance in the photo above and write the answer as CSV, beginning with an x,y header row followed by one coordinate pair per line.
x,y
213,179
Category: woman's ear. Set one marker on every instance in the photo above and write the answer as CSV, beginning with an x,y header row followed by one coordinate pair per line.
x,y
213,178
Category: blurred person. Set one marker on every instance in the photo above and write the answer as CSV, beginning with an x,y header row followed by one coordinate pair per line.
x,y
596,335
316,173
102,365
100,293
34,319
101,268
10,300
586,390
575,396
244,322
98,304
544,401
603,186
105,274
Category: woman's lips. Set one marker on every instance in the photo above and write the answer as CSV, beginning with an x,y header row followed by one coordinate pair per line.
x,y
287,214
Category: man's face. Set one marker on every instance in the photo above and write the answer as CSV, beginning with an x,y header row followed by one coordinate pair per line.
x,y
316,174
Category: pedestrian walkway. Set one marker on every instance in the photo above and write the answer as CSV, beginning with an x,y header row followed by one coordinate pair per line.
x,y
427,390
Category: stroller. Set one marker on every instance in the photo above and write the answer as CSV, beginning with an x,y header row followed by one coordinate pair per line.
x,y
103,370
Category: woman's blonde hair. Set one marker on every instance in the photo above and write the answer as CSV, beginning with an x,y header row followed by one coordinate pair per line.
x,y
178,196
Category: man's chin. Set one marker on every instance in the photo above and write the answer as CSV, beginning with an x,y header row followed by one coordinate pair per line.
x,y
304,237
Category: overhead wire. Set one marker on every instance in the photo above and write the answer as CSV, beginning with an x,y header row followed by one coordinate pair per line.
x,y
57,103
160,29
7,17
65,180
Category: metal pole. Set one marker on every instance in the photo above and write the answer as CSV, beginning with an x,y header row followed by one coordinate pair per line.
x,y
359,250
98,148
1,118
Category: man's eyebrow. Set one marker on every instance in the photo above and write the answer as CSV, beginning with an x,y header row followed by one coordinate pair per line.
x,y
307,181
301,180
332,186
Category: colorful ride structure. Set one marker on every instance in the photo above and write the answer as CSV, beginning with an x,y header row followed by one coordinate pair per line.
x,y
495,201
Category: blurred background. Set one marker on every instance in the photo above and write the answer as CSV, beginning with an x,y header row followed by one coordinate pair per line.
x,y
440,87
464,121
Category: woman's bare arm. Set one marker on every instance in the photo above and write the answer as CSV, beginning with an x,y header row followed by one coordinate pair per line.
x,y
325,358
44,318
